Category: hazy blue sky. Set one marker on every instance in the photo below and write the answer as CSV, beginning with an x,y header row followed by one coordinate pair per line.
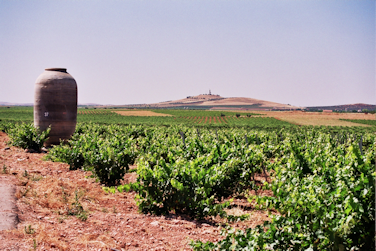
x,y
305,53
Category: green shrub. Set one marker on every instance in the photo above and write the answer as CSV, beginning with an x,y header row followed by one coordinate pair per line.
x,y
27,136
329,207
70,154
92,149
193,179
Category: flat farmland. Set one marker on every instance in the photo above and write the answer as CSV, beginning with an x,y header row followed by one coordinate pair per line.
x,y
126,182
319,118
293,117
142,113
202,117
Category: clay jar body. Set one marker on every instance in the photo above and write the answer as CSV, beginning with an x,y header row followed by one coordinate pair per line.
x,y
55,104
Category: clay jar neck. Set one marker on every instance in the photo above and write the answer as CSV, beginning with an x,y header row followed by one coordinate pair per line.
x,y
57,69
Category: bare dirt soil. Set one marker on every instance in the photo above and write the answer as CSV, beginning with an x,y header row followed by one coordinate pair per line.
x,y
60,209
321,118
142,113
318,118
8,209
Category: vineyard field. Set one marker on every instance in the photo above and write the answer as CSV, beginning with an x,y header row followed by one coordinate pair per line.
x,y
319,181
364,121
195,118
189,118
322,180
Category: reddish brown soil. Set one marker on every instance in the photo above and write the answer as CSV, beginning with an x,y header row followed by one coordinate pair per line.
x,y
8,209
142,113
47,192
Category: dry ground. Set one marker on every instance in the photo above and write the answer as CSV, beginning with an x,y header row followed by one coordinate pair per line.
x,y
213,100
60,209
318,118
247,101
142,113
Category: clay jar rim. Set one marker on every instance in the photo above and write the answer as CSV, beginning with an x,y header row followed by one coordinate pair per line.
x,y
57,69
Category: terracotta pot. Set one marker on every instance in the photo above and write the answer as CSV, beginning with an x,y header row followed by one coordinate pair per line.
x,y
55,104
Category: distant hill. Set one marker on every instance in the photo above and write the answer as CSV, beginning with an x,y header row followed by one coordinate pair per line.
x,y
210,101
349,108
216,102
31,104
15,104
90,104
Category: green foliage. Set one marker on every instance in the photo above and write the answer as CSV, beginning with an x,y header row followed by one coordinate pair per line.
x,y
35,244
5,169
325,194
122,188
29,230
194,176
234,218
27,136
91,148
196,118
183,187
76,208
322,180
16,114
70,154
362,121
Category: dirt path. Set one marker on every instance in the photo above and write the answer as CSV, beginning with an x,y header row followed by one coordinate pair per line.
x,y
8,209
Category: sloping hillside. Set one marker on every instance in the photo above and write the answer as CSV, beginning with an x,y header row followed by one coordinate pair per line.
x,y
209,101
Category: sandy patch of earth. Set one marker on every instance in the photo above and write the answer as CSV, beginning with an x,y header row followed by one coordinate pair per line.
x,y
142,113
317,118
321,118
60,209
8,209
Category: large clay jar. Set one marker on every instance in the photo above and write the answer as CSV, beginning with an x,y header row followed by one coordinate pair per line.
x,y
55,104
